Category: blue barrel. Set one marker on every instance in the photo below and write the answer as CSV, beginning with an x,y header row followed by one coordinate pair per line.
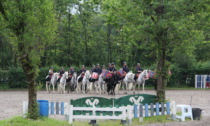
x,y
43,107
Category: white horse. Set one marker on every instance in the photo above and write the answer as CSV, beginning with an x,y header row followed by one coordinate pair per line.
x,y
129,78
62,83
141,80
100,85
73,82
52,82
84,85
71,85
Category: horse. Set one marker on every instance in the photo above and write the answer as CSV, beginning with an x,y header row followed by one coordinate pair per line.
x,y
111,83
62,83
141,80
52,82
129,78
100,85
84,85
71,85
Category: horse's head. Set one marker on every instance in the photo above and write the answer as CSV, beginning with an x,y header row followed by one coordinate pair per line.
x,y
130,75
87,74
65,75
146,74
75,74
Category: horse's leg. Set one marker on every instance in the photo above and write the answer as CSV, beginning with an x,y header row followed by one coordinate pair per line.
x,y
64,88
134,85
46,86
83,88
49,87
143,86
126,86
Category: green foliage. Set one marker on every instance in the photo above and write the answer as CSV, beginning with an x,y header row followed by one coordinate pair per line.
x,y
17,78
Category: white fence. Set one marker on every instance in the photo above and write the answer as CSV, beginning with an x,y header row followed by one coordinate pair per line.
x,y
122,116
124,113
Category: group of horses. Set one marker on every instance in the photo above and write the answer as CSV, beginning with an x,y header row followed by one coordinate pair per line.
x,y
100,85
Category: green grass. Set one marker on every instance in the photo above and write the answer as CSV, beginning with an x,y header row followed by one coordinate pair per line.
x,y
19,121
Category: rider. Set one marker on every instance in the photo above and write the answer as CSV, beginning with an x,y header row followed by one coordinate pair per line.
x,y
70,73
82,73
109,66
98,69
104,67
112,68
61,74
138,70
50,73
125,68
93,68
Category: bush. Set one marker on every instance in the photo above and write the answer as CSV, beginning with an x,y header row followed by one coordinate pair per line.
x,y
17,78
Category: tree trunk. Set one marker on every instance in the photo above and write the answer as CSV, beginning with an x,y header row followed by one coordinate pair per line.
x,y
161,79
30,73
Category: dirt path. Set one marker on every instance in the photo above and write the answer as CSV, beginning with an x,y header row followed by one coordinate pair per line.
x,y
11,102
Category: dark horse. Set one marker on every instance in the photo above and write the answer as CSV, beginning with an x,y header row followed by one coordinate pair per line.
x,y
112,82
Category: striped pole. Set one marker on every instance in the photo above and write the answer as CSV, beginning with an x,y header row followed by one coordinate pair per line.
x,y
140,113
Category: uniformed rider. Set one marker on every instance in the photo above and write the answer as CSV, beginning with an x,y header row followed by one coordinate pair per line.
x,y
98,69
109,66
82,73
61,74
93,68
112,68
70,73
50,73
138,71
125,68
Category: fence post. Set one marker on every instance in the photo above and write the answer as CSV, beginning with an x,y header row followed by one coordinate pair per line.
x,y
52,108
168,108
62,108
57,108
162,109
135,111
66,110
124,114
70,114
129,108
173,110
25,108
152,109
146,110
157,109
140,113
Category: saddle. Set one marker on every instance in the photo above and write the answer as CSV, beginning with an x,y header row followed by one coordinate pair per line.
x,y
109,75
70,75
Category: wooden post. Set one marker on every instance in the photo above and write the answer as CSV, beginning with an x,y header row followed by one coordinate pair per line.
x,y
70,114
146,110
135,111
141,113
25,108
152,109
173,110
162,109
129,108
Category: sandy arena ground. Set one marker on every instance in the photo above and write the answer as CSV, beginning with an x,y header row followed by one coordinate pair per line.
x,y
11,103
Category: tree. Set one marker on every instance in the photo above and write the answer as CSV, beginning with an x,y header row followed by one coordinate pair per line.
x,y
166,25
31,26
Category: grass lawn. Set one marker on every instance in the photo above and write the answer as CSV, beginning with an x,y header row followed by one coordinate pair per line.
x,y
19,121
